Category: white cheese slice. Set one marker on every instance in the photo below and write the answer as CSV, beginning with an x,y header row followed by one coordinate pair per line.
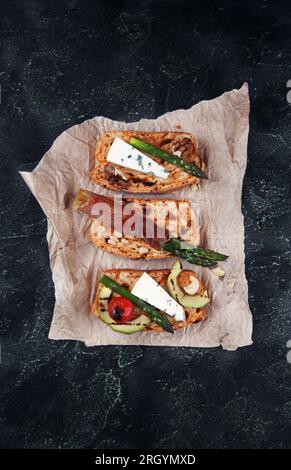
x,y
123,154
147,289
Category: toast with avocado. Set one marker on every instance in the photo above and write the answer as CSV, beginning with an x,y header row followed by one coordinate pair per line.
x,y
131,301
147,162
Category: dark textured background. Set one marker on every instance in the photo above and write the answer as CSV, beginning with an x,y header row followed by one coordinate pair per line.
x,y
65,61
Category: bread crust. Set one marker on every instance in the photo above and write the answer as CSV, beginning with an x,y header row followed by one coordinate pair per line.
x,y
137,182
138,248
128,278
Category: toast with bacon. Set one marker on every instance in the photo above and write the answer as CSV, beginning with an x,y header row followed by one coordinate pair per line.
x,y
163,216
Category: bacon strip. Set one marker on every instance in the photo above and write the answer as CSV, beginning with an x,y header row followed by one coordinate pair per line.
x,y
86,200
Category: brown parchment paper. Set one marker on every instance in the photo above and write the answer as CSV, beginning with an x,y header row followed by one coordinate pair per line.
x,y
221,127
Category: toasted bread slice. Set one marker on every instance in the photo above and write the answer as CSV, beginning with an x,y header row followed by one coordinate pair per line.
x,y
128,278
116,177
138,247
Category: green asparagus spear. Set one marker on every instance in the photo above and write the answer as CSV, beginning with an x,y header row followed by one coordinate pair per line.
x,y
152,312
187,256
156,152
176,244
192,254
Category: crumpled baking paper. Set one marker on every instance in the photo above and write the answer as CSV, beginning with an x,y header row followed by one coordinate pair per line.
x,y
221,126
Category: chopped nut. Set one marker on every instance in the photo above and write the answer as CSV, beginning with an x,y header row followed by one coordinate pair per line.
x,y
117,234
185,140
231,284
143,250
188,148
114,176
218,271
111,241
187,152
177,145
125,241
194,187
188,282
119,172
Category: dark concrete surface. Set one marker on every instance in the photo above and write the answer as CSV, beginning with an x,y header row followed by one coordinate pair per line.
x,y
65,61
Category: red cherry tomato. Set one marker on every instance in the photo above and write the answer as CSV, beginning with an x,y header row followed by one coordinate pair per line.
x,y
120,309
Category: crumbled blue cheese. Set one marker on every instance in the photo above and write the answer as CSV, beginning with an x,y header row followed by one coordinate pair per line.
x,y
123,154
147,289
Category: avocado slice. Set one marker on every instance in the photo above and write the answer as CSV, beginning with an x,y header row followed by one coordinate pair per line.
x,y
194,301
138,324
127,328
104,315
105,293
188,301
172,284
141,320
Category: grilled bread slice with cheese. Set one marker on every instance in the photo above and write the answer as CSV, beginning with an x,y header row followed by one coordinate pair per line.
x,y
118,177
128,278
157,210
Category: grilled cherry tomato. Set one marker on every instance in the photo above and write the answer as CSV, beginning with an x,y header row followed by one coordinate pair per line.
x,y
121,310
